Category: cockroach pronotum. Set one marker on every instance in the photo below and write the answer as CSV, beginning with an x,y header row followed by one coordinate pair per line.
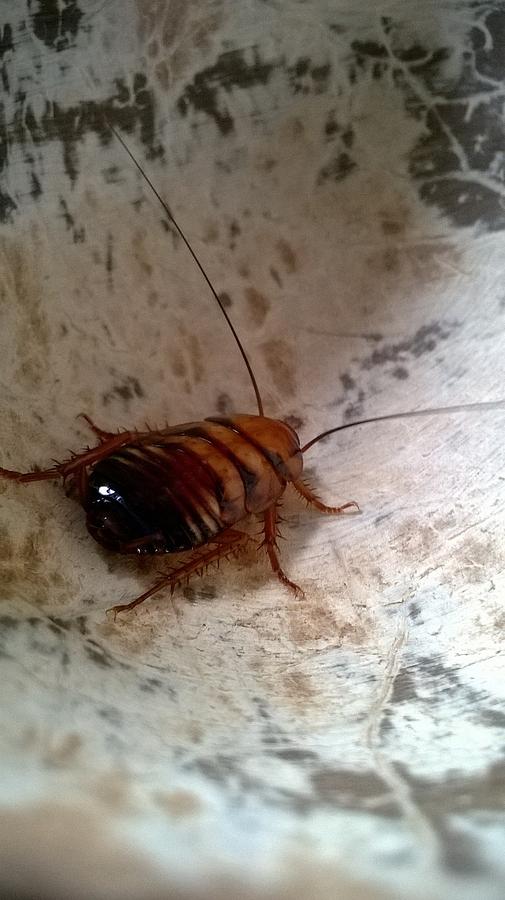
x,y
186,487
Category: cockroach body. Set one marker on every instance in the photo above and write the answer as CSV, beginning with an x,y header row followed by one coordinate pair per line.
x,y
185,488
178,489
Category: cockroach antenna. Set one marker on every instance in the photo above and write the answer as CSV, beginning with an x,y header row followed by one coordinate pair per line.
x,y
438,410
197,261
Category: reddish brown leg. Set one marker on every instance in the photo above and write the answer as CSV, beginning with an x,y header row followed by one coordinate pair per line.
x,y
222,547
100,433
82,484
308,494
75,463
270,544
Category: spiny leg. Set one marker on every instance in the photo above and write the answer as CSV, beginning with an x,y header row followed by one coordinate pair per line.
x,y
308,494
81,479
75,463
270,544
100,433
222,547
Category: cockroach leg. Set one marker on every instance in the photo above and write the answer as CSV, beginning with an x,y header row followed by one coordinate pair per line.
x,y
270,518
223,546
24,477
100,433
73,465
82,484
313,500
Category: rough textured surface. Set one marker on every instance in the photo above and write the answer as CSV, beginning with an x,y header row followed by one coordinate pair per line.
x,y
339,168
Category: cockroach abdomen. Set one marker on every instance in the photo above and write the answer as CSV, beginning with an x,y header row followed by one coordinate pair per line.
x,y
127,513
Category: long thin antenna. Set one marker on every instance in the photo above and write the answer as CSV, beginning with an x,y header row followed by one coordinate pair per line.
x,y
197,261
463,407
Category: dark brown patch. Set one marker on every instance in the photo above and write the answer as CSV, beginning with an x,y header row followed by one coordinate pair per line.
x,y
337,169
63,753
277,278
6,545
259,305
278,356
477,559
287,255
389,226
178,365
298,688
224,404
295,422
354,410
268,164
196,357
125,390
109,261
348,382
391,259
32,336
98,655
211,234
178,804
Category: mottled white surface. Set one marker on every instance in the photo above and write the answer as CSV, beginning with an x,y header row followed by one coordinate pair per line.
x,y
339,169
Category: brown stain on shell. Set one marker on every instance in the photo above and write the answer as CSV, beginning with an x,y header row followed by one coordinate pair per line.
x,y
211,233
113,790
63,752
7,550
478,558
179,804
298,688
192,369
29,567
395,218
391,259
473,560
178,364
140,254
425,261
259,305
317,621
21,287
279,358
196,357
275,276
287,255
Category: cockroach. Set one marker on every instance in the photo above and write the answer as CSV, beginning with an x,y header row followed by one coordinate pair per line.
x,y
187,487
